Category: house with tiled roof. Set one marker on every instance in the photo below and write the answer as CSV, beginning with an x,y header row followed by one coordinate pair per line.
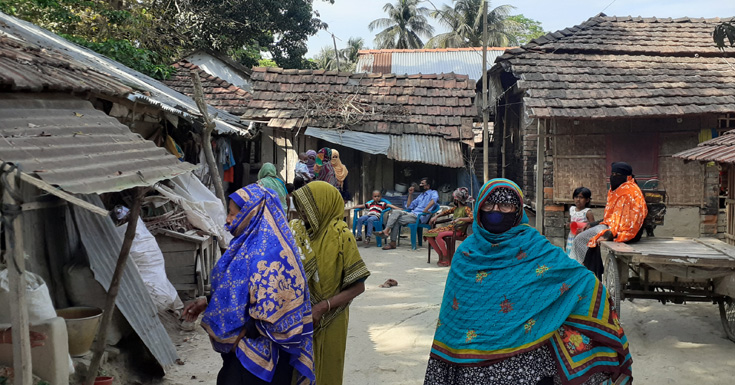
x,y
388,128
218,93
615,89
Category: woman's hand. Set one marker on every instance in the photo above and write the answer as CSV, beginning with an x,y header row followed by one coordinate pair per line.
x,y
432,220
193,309
318,310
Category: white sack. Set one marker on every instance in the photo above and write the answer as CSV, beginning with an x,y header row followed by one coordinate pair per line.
x,y
150,263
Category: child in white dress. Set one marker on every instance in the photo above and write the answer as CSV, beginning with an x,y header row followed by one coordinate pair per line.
x,y
579,215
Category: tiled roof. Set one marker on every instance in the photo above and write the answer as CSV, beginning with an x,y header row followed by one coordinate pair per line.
x,y
27,67
218,92
464,61
375,103
720,149
612,67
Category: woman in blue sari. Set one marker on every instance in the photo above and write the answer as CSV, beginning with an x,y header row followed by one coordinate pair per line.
x,y
517,310
259,317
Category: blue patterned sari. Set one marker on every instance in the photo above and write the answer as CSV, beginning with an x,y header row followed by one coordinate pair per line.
x,y
513,292
260,280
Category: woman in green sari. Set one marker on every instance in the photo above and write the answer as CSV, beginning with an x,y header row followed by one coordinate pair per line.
x,y
268,178
334,270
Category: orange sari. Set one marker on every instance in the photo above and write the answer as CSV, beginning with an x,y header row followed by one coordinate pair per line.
x,y
624,213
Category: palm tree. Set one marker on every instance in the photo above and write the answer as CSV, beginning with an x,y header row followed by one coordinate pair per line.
x,y
354,45
404,27
464,21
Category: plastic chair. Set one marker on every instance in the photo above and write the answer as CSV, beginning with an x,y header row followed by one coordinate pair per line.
x,y
417,228
452,242
377,225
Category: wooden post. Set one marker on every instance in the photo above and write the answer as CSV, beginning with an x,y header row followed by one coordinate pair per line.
x,y
540,157
207,137
485,117
122,259
15,260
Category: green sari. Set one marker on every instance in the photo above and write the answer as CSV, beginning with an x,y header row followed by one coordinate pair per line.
x,y
332,263
268,178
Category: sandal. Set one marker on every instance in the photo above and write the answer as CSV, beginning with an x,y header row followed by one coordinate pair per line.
x,y
443,264
366,241
389,283
358,238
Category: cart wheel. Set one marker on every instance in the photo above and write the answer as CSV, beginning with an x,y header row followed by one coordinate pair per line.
x,y
611,280
727,315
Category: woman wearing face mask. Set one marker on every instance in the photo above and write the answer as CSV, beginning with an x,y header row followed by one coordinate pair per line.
x,y
517,310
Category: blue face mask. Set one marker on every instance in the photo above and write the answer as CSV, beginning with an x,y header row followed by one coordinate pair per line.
x,y
497,222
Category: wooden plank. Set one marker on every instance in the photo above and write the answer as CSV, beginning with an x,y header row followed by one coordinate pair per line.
x,y
59,193
180,258
683,261
718,245
16,275
618,247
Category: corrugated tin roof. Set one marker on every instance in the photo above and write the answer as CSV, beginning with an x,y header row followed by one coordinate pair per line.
x,y
363,141
25,67
149,88
68,143
426,149
463,61
720,149
102,244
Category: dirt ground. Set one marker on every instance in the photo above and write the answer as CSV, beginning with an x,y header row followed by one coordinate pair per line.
x,y
391,332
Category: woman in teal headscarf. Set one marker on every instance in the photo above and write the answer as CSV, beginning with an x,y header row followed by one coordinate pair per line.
x,y
517,310
259,316
268,178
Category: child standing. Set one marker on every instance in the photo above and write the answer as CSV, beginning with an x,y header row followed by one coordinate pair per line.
x,y
579,215
374,208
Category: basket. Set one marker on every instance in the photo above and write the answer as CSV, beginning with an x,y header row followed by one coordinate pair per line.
x,y
173,220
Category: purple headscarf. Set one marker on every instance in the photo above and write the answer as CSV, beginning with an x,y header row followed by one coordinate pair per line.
x,y
311,161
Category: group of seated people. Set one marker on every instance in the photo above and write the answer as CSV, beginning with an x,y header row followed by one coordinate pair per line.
x,y
459,218
623,218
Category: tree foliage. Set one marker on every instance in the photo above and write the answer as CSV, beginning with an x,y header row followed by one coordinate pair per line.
x,y
464,21
525,30
404,27
147,35
280,27
131,34
348,56
724,31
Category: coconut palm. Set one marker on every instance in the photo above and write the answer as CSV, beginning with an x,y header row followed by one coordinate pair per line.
x,y
464,21
404,27
354,45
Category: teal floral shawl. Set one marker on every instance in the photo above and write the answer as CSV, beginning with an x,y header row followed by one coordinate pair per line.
x,y
512,292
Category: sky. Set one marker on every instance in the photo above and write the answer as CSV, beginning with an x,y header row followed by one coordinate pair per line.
x,y
347,18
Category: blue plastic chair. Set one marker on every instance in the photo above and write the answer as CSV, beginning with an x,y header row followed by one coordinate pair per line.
x,y
417,229
377,225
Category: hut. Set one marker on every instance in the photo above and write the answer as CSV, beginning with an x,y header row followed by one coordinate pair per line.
x,y
615,89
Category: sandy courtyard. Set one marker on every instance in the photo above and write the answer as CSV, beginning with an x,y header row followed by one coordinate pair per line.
x,y
391,331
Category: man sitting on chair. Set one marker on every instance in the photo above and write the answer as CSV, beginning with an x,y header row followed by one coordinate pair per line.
x,y
624,214
422,204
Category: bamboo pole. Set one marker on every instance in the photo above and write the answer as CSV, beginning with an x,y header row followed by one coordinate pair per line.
x,y
122,259
16,274
485,117
540,175
207,138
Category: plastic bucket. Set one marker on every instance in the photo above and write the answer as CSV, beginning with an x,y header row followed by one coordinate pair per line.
x,y
81,326
103,380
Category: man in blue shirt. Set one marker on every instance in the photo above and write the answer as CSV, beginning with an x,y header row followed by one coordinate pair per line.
x,y
422,204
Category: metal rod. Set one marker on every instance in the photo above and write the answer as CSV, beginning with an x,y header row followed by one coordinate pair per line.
x,y
122,259
485,117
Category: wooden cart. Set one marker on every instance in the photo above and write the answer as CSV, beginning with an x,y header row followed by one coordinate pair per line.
x,y
671,270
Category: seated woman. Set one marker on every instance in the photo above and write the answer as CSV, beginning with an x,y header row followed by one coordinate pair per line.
x,y
461,218
517,310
